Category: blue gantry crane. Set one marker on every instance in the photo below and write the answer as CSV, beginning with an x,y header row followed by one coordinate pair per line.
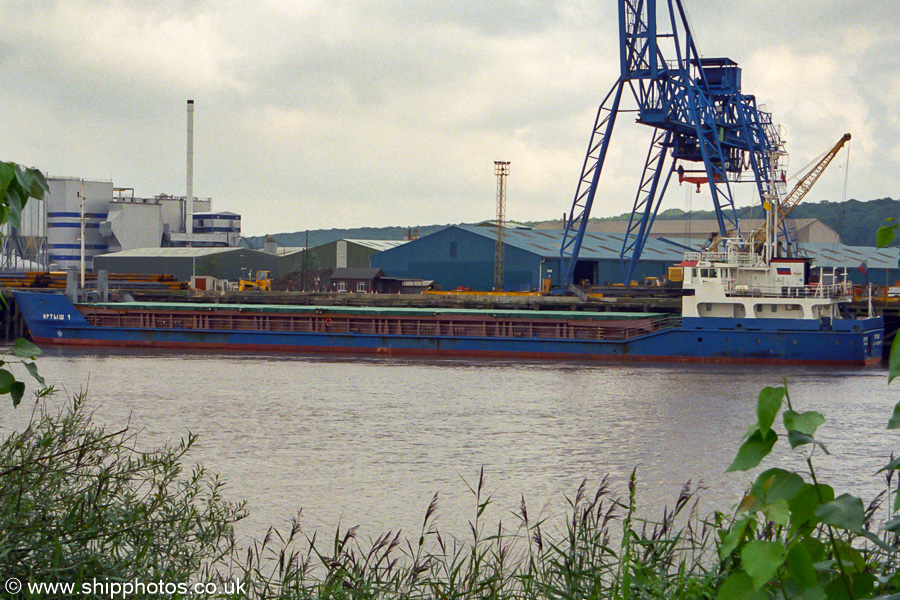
x,y
704,129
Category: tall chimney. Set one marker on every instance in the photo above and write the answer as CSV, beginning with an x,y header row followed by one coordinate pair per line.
x,y
189,209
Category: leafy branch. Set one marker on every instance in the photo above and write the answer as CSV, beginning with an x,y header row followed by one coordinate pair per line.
x,y
18,184
796,538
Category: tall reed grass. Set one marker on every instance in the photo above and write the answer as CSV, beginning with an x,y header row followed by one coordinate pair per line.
x,y
604,551
790,537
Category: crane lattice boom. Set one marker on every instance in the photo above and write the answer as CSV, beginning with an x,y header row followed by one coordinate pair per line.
x,y
800,190
700,116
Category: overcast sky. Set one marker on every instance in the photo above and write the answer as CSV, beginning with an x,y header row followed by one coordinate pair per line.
x,y
350,113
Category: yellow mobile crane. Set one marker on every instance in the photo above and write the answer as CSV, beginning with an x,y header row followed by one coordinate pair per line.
x,y
800,190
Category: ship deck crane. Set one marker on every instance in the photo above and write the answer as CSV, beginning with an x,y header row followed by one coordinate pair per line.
x,y
699,117
801,189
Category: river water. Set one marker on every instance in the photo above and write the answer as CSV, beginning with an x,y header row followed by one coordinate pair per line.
x,y
358,441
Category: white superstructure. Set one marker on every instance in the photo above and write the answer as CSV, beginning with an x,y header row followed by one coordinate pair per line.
x,y
734,283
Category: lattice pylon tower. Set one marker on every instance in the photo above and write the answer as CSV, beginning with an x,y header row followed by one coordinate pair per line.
x,y
501,170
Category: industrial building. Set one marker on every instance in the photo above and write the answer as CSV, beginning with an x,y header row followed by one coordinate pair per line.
x,y
373,281
115,220
80,219
863,264
356,279
111,220
183,263
462,256
347,253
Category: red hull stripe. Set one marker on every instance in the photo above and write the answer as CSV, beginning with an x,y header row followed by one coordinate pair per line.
x,y
381,351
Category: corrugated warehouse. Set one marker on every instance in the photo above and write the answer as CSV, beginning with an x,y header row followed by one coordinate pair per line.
x,y
182,263
864,264
290,259
463,256
347,253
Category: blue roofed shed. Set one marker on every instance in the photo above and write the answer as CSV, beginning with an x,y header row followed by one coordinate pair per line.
x,y
463,256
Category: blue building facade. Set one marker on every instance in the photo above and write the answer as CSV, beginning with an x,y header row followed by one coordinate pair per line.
x,y
453,257
462,256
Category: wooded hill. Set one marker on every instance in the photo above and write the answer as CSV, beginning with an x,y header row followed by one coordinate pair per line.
x,y
856,222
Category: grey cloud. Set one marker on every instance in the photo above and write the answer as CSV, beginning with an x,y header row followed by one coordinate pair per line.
x,y
496,18
419,96
373,72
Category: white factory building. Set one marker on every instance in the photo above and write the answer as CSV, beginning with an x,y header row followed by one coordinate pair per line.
x,y
114,220
80,219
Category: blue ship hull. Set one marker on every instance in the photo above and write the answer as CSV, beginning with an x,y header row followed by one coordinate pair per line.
x,y
53,319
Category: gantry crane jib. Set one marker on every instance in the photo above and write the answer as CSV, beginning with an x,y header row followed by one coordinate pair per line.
x,y
700,114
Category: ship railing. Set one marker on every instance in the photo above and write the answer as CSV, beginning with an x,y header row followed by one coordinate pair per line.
x,y
655,324
430,326
808,291
730,257
600,330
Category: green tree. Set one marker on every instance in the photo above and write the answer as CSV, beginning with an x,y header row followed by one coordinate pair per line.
x,y
18,184
884,238
794,536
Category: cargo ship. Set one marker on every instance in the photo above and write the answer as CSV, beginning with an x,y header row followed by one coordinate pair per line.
x,y
738,307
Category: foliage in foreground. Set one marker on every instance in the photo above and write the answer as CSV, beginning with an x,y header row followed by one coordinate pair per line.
x,y
18,184
603,552
794,536
79,503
